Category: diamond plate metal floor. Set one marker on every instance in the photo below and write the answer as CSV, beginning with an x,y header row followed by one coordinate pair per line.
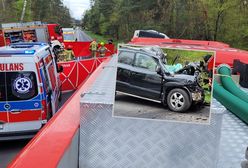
x,y
109,142
234,139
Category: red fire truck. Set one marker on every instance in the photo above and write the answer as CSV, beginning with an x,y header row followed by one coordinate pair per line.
x,y
31,32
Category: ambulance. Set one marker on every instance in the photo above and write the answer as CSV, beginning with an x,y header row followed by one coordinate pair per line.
x,y
30,88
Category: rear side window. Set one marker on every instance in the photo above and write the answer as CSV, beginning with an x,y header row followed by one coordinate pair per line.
x,y
18,86
150,34
126,58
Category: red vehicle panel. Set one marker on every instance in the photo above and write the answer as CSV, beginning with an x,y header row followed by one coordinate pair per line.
x,y
224,53
25,115
2,43
55,32
30,32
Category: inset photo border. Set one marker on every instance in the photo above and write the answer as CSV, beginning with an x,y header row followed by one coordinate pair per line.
x,y
168,84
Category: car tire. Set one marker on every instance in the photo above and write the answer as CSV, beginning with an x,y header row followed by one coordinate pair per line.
x,y
178,100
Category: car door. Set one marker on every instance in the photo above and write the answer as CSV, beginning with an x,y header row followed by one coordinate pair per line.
x,y
52,81
124,68
144,79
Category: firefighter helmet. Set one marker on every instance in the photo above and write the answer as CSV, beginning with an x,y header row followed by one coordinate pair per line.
x,y
69,47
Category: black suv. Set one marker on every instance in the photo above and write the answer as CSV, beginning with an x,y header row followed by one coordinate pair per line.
x,y
142,73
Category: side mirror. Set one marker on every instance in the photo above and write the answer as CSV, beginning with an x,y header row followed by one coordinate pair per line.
x,y
158,69
60,69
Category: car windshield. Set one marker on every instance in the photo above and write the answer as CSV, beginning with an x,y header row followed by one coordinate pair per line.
x,y
164,67
16,86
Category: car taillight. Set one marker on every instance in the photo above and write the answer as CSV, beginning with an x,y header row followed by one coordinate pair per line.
x,y
44,109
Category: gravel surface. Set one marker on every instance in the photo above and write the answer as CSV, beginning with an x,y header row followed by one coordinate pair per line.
x,y
127,106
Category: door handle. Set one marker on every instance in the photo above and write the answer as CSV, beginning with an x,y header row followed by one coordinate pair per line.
x,y
15,111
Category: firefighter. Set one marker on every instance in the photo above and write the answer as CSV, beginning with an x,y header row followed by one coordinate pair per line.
x,y
67,55
102,50
93,48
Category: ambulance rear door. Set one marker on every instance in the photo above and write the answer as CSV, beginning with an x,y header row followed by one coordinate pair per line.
x,y
3,110
23,98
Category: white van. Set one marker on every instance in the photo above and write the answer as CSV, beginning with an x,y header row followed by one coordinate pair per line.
x,y
30,88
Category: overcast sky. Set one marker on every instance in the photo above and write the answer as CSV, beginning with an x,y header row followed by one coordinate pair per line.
x,y
77,7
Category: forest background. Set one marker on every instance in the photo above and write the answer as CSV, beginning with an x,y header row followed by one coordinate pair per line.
x,y
218,20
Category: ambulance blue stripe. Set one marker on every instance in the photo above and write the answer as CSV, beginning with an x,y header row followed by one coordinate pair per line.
x,y
2,107
34,103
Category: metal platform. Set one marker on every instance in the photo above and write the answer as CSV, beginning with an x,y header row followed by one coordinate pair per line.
x,y
110,142
234,139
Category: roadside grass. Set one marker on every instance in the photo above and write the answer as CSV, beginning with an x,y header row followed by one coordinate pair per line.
x,y
206,88
185,55
207,96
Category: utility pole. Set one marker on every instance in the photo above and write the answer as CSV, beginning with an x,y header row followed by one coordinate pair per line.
x,y
23,10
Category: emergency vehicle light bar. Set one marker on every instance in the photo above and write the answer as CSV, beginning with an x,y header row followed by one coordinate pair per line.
x,y
17,52
29,44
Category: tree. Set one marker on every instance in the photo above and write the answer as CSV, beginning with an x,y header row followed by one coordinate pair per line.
x,y
221,20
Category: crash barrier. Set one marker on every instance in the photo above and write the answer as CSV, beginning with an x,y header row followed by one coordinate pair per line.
x,y
56,145
82,49
227,82
242,69
75,72
107,141
233,103
224,54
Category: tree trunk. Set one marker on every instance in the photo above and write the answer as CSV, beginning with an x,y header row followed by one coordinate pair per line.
x,y
23,10
217,25
3,3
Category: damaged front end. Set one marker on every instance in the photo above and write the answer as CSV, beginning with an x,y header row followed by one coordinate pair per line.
x,y
195,84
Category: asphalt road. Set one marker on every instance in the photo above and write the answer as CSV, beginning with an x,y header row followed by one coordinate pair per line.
x,y
81,35
9,149
126,106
